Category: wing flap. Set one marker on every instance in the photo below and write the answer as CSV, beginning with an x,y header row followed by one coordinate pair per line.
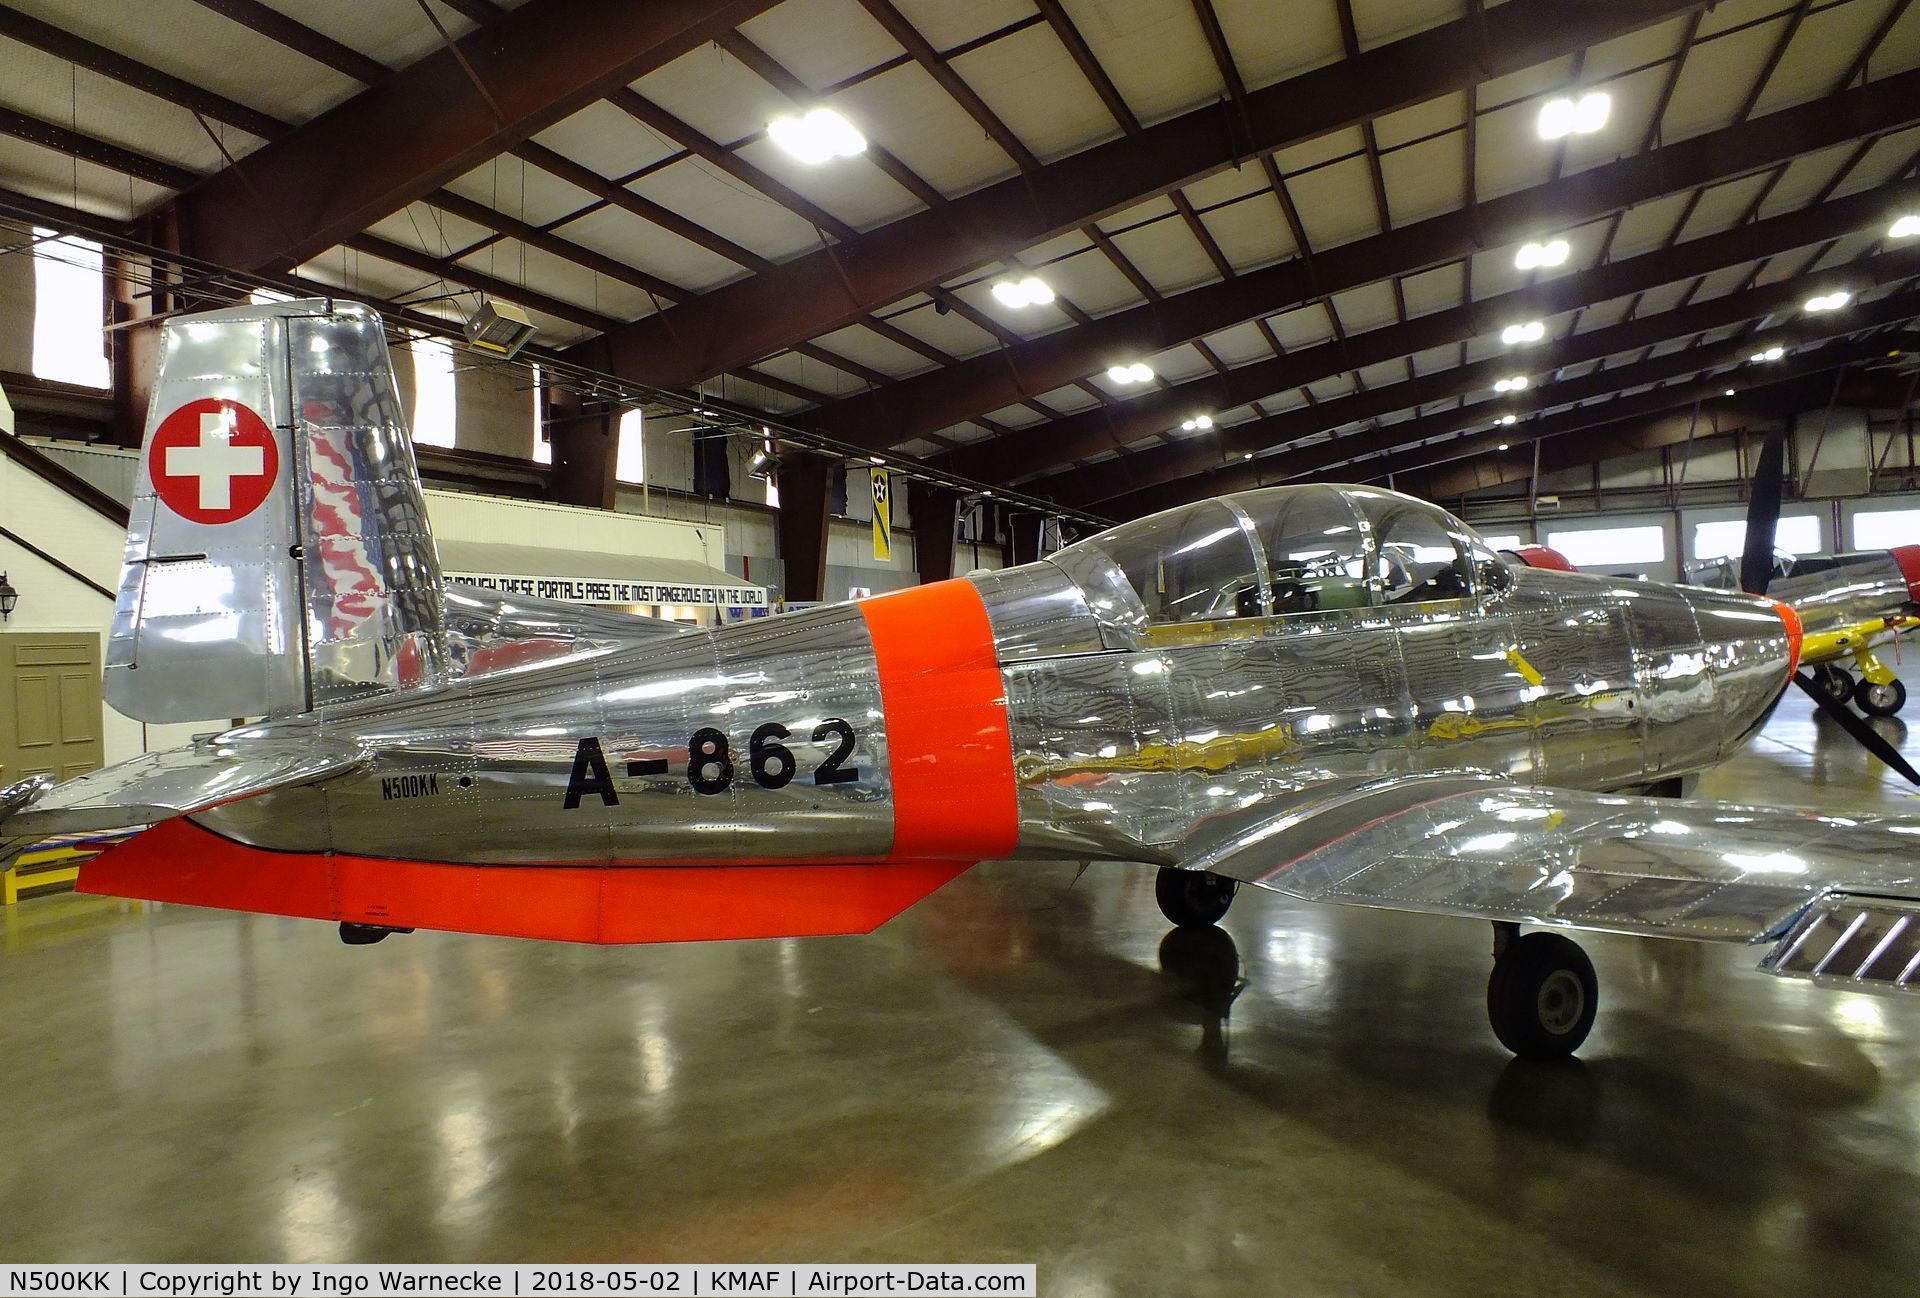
x,y
1463,844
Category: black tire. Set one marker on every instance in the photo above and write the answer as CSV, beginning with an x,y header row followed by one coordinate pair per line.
x,y
1193,898
1833,683
1880,700
1542,996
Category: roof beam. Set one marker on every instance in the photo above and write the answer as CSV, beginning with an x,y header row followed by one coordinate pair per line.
x,y
928,402
131,72
819,292
1717,416
406,136
1317,459
1088,433
1180,460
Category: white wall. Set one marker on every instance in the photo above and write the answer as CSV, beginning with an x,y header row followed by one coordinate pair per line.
x,y
50,600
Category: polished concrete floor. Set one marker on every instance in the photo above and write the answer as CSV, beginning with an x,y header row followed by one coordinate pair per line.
x,y
1024,1068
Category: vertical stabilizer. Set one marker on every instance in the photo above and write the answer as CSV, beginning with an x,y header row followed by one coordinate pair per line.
x,y
278,556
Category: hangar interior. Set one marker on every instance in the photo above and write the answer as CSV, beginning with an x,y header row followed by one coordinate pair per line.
x,y
1012,272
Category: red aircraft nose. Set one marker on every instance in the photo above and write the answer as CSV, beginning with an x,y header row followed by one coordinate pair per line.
x,y
1908,557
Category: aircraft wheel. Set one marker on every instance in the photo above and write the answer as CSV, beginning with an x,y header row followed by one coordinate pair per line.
x,y
1880,700
1193,898
1833,683
1542,996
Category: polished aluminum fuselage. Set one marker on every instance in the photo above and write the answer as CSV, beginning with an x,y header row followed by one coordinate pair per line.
x,y
1123,737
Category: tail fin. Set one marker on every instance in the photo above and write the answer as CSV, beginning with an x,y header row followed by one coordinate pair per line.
x,y
279,556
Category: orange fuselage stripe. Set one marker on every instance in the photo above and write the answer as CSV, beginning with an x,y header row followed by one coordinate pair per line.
x,y
1790,619
948,745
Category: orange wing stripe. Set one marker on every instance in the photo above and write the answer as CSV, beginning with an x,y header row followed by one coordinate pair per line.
x,y
179,861
947,740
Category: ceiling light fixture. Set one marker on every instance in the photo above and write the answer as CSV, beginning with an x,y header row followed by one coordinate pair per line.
x,y
1530,332
1029,291
1505,420
1566,116
818,136
1517,383
1504,446
1197,424
1729,391
1773,353
1533,256
1829,301
1905,228
1134,373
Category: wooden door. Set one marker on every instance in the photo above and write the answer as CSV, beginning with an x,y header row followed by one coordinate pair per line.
x,y
50,719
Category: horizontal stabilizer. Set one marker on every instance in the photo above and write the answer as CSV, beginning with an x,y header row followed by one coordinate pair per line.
x,y
181,862
159,786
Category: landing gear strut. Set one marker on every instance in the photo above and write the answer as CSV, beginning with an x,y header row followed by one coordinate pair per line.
x,y
1193,898
1543,994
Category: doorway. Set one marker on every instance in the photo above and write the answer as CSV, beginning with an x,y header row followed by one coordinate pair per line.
x,y
50,710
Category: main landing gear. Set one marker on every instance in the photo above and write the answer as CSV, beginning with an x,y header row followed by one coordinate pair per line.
x,y
1542,995
1193,898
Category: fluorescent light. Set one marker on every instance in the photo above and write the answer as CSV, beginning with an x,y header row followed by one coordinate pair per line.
x,y
1829,301
819,136
1517,383
1530,332
877,459
1532,256
1029,291
1905,228
1583,116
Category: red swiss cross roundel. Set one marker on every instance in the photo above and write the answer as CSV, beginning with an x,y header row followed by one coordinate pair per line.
x,y
213,461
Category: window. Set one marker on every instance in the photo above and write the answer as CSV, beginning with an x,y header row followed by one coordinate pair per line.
x,y
1316,558
1504,541
1882,529
1189,564
542,443
433,406
1610,547
69,311
1419,561
268,296
1727,538
630,459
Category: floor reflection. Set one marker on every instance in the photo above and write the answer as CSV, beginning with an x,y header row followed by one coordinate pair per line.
x,y
1029,1066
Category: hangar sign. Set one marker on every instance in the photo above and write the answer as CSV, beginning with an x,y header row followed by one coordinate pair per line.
x,y
601,590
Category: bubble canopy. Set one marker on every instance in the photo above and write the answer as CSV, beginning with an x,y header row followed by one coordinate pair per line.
x,y
1283,551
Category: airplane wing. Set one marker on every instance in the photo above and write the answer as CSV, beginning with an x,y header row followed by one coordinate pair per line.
x,y
1838,896
159,786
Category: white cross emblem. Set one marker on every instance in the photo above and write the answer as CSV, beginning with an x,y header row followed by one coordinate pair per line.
x,y
216,461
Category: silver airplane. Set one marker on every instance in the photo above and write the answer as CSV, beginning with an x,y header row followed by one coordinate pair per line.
x,y
1335,693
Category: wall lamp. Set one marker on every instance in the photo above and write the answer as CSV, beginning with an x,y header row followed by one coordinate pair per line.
x,y
9,598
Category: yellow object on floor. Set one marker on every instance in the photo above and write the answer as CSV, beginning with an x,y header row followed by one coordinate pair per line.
x,y
54,862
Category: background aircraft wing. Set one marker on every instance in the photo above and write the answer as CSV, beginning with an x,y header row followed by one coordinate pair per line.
x,y
1838,895
159,786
